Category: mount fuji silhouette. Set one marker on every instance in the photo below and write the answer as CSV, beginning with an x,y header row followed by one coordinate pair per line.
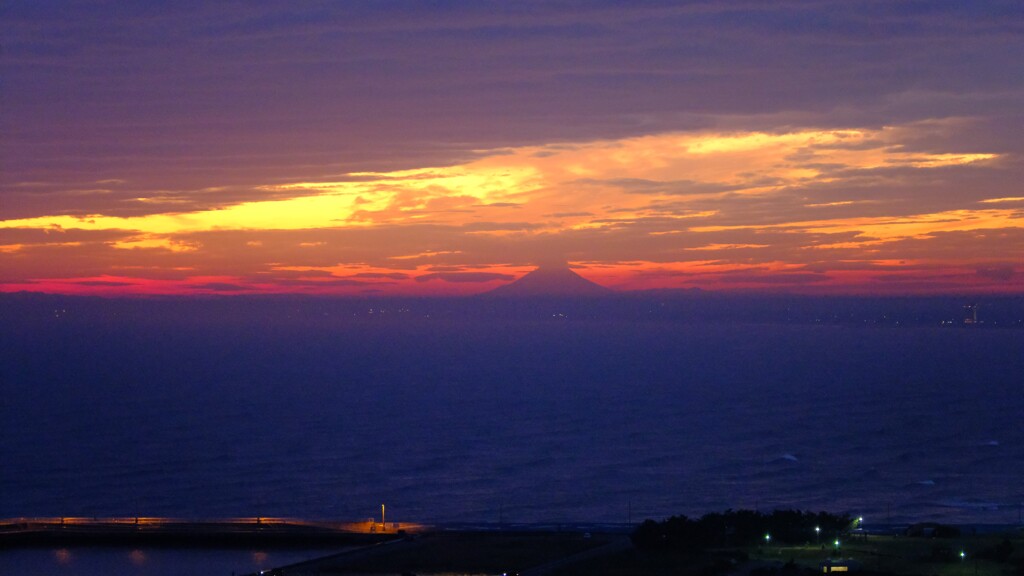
x,y
551,280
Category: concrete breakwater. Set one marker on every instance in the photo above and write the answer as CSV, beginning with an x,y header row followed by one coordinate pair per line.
x,y
219,533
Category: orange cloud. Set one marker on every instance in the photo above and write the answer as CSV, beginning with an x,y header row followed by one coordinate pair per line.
x,y
756,202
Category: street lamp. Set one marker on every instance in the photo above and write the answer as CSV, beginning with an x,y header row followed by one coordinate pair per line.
x,y
817,534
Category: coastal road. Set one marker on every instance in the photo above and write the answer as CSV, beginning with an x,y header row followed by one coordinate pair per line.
x,y
618,544
352,558
336,562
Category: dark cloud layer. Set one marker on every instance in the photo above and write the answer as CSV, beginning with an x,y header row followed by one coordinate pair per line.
x,y
147,108
226,95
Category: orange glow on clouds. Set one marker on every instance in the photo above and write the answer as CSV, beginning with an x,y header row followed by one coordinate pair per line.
x,y
472,226
540,179
881,229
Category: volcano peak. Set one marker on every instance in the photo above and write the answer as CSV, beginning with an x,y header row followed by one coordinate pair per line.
x,y
551,280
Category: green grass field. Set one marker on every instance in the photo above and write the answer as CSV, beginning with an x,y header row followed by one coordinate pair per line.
x,y
494,553
899,555
906,555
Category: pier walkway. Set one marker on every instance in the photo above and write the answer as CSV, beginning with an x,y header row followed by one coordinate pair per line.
x,y
15,532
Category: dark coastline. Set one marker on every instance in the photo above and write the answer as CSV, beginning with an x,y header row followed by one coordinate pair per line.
x,y
528,549
186,534
283,533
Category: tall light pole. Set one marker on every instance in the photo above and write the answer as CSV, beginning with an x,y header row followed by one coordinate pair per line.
x,y
383,525
817,535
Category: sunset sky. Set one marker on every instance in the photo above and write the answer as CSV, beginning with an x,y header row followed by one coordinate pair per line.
x,y
441,148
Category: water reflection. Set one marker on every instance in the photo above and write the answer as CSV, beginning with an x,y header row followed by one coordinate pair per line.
x,y
63,556
104,561
137,557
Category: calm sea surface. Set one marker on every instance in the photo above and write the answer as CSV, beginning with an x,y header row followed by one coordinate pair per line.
x,y
584,421
146,561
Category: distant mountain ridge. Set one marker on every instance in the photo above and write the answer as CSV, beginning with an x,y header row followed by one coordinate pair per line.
x,y
551,281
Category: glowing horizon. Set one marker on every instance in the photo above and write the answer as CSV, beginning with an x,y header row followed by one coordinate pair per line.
x,y
773,161
679,188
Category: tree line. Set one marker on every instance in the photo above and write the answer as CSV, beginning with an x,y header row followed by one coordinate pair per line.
x,y
734,528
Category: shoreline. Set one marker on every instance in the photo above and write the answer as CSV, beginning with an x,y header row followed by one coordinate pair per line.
x,y
188,533
294,532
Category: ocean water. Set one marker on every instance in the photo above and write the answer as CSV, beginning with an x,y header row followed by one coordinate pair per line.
x,y
507,420
103,561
